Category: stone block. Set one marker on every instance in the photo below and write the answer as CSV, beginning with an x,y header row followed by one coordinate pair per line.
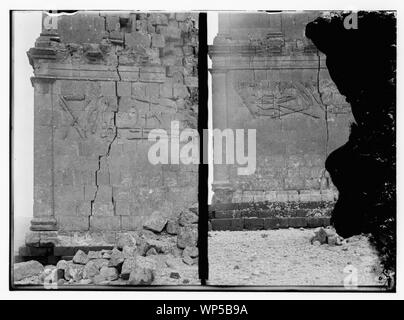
x,y
122,208
129,73
107,88
227,224
166,89
112,23
170,33
89,192
84,208
103,223
124,89
139,91
158,18
135,39
271,223
104,193
180,91
72,223
297,222
132,223
103,208
253,223
191,82
158,41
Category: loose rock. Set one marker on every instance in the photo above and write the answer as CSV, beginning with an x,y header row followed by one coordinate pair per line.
x,y
187,237
80,257
27,269
172,227
116,258
188,217
190,251
155,223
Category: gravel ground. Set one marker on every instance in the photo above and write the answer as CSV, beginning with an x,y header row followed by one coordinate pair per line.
x,y
285,257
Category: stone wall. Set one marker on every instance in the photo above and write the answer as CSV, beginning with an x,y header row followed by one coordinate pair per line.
x,y
102,81
268,76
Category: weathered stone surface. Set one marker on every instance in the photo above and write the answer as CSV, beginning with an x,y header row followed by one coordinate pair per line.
x,y
127,267
191,252
129,252
188,217
62,265
108,273
143,273
91,269
187,237
106,98
74,271
161,246
188,260
320,235
151,252
155,223
27,269
80,257
94,255
126,239
172,227
116,258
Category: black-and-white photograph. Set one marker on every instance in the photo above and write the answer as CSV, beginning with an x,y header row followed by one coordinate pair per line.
x,y
204,150
311,201
103,91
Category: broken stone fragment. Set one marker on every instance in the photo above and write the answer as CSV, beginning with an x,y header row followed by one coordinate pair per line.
x,y
160,246
187,236
27,269
143,272
106,254
108,273
61,265
155,223
172,262
141,276
320,235
188,260
172,227
188,217
80,257
91,269
94,255
190,251
151,252
126,239
195,208
74,272
85,281
116,258
129,252
51,275
127,267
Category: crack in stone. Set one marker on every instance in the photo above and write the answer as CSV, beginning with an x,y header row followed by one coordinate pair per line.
x,y
105,156
325,108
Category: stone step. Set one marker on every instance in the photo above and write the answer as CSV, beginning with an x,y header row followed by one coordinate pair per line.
x,y
270,209
256,223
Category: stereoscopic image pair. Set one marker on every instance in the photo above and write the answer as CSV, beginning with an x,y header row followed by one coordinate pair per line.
x,y
188,149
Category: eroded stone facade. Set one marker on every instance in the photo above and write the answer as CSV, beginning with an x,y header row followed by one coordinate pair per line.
x,y
102,81
266,75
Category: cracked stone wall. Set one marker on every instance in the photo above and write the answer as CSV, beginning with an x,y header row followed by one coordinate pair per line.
x,y
276,81
102,81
